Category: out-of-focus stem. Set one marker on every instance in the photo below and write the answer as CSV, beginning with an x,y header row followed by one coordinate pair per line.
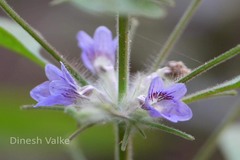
x,y
208,148
176,33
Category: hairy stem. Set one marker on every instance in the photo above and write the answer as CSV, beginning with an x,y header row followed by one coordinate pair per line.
x,y
120,130
123,76
176,33
51,50
123,57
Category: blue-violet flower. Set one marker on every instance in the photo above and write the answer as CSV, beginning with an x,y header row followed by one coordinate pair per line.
x,y
60,89
99,52
166,102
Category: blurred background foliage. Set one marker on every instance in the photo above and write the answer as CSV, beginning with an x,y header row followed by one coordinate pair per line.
x,y
213,30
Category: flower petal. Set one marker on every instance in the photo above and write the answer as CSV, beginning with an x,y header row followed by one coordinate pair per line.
x,y
67,76
177,90
52,72
154,113
176,111
155,86
59,87
87,63
55,100
103,41
183,111
85,42
40,92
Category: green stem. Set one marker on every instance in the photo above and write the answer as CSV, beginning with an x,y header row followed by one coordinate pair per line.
x,y
210,64
127,142
208,148
51,50
176,33
167,129
120,130
226,86
129,155
123,57
123,76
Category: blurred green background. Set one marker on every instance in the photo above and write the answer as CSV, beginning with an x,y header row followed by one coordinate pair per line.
x,y
213,30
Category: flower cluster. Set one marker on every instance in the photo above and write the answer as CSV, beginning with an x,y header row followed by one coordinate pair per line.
x,y
163,100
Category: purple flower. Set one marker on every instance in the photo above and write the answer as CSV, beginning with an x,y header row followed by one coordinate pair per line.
x,y
99,52
166,101
60,89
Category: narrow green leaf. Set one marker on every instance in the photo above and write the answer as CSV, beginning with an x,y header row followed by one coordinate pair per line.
x,y
226,86
212,63
140,131
147,8
195,97
80,130
167,129
14,38
226,93
30,107
126,136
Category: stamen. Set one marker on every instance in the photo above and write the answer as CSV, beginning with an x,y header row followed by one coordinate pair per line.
x,y
164,96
